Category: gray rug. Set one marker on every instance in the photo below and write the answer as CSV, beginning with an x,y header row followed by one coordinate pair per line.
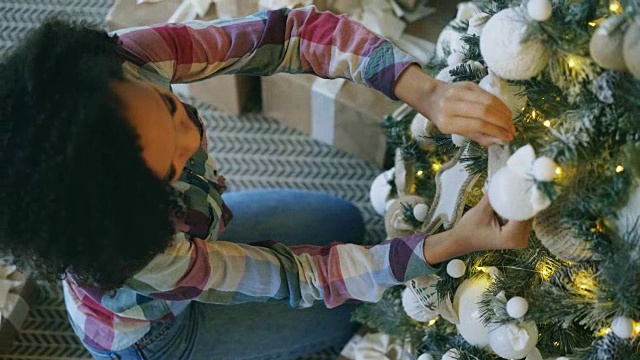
x,y
253,152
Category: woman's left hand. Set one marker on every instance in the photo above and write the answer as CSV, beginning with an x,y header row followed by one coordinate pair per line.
x,y
461,108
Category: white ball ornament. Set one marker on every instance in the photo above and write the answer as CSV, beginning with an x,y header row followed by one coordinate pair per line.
x,y
539,10
631,49
456,268
420,212
622,326
513,341
534,355
509,195
380,190
544,169
465,304
445,75
606,45
517,307
504,50
449,41
458,140
426,356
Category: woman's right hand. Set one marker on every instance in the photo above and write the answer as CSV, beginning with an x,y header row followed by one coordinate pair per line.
x,y
479,229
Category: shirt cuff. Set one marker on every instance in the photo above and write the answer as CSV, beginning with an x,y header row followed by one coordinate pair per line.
x,y
384,67
406,257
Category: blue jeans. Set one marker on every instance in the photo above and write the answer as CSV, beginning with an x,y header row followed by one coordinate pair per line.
x,y
261,330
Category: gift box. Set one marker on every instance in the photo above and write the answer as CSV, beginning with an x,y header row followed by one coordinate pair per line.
x,y
337,112
18,292
233,8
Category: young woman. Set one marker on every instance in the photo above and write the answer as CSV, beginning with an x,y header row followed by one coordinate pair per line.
x,y
109,185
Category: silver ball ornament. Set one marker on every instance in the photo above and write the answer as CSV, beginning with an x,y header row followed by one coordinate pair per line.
x,y
456,268
517,307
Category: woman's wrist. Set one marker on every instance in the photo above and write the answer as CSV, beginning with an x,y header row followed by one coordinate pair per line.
x,y
414,86
444,246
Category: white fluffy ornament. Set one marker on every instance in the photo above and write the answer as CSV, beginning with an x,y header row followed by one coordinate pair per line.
x,y
465,303
449,42
539,10
509,195
420,129
426,356
513,341
456,268
631,49
445,75
380,191
379,346
534,355
606,44
504,50
544,169
508,93
414,308
622,326
517,307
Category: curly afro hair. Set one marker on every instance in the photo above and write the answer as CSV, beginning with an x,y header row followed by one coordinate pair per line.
x,y
77,196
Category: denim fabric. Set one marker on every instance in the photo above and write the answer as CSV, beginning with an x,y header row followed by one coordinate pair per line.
x,y
255,331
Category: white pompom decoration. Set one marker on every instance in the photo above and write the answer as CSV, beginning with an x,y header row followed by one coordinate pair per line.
x,y
449,41
456,268
420,127
455,59
534,355
631,49
504,51
517,307
544,169
380,190
509,195
466,304
444,74
458,140
426,356
539,10
622,326
451,354
420,212
606,45
513,341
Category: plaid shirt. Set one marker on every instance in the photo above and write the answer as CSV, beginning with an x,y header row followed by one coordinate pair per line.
x,y
197,267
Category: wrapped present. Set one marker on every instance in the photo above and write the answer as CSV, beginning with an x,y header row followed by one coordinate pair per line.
x,y
336,112
233,8
18,291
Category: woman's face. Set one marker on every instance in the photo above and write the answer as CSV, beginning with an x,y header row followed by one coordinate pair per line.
x,y
168,136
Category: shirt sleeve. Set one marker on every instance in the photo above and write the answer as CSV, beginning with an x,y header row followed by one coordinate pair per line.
x,y
293,41
230,273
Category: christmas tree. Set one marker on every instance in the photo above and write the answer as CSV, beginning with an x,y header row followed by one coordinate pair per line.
x,y
570,72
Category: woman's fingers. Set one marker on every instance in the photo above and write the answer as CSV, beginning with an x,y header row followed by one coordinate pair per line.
x,y
470,127
491,115
517,233
470,92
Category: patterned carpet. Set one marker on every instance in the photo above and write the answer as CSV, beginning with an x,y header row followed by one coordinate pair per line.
x,y
253,151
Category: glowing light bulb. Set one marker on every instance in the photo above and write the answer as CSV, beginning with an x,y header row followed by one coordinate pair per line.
x,y
546,123
433,321
615,7
619,169
558,170
533,114
436,167
603,331
572,63
637,328
419,173
592,23
556,343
